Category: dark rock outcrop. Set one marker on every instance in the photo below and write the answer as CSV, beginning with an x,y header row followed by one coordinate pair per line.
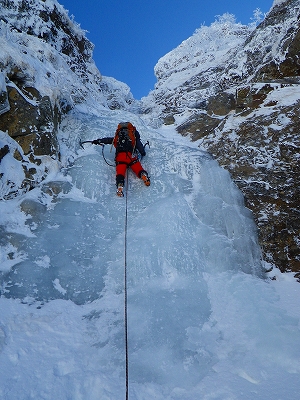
x,y
34,93
32,122
260,146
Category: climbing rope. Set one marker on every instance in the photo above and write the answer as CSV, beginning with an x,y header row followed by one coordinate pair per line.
x,y
125,286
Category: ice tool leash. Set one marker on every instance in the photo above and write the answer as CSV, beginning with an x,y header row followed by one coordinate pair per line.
x,y
103,155
102,145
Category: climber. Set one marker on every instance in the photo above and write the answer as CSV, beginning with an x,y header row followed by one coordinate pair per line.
x,y
127,142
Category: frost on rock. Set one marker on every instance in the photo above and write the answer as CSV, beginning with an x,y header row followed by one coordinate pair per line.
x,y
46,70
194,71
240,101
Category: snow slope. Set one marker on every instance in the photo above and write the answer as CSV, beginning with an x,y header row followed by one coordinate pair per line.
x,y
192,72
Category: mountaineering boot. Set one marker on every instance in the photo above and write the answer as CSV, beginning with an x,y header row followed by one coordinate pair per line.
x,y
120,191
145,178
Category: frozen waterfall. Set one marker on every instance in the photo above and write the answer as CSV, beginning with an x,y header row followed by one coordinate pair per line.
x,y
196,294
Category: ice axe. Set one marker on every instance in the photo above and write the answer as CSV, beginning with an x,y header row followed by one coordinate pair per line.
x,y
86,141
82,143
102,145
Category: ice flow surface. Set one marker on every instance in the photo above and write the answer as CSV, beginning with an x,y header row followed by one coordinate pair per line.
x,y
202,323
191,220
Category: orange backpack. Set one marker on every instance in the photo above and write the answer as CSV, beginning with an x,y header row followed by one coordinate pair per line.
x,y
124,139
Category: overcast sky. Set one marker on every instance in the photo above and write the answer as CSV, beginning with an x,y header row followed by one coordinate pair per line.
x,y
131,35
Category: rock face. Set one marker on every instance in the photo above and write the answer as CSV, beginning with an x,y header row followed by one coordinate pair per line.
x,y
46,68
260,147
32,122
249,123
30,104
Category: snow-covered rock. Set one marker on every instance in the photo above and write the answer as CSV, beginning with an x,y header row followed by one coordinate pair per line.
x,y
188,75
46,68
235,90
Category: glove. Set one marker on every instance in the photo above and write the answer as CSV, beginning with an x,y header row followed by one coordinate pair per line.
x,y
97,141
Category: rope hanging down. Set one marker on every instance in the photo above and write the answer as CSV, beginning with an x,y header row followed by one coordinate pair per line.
x,y
125,261
125,287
